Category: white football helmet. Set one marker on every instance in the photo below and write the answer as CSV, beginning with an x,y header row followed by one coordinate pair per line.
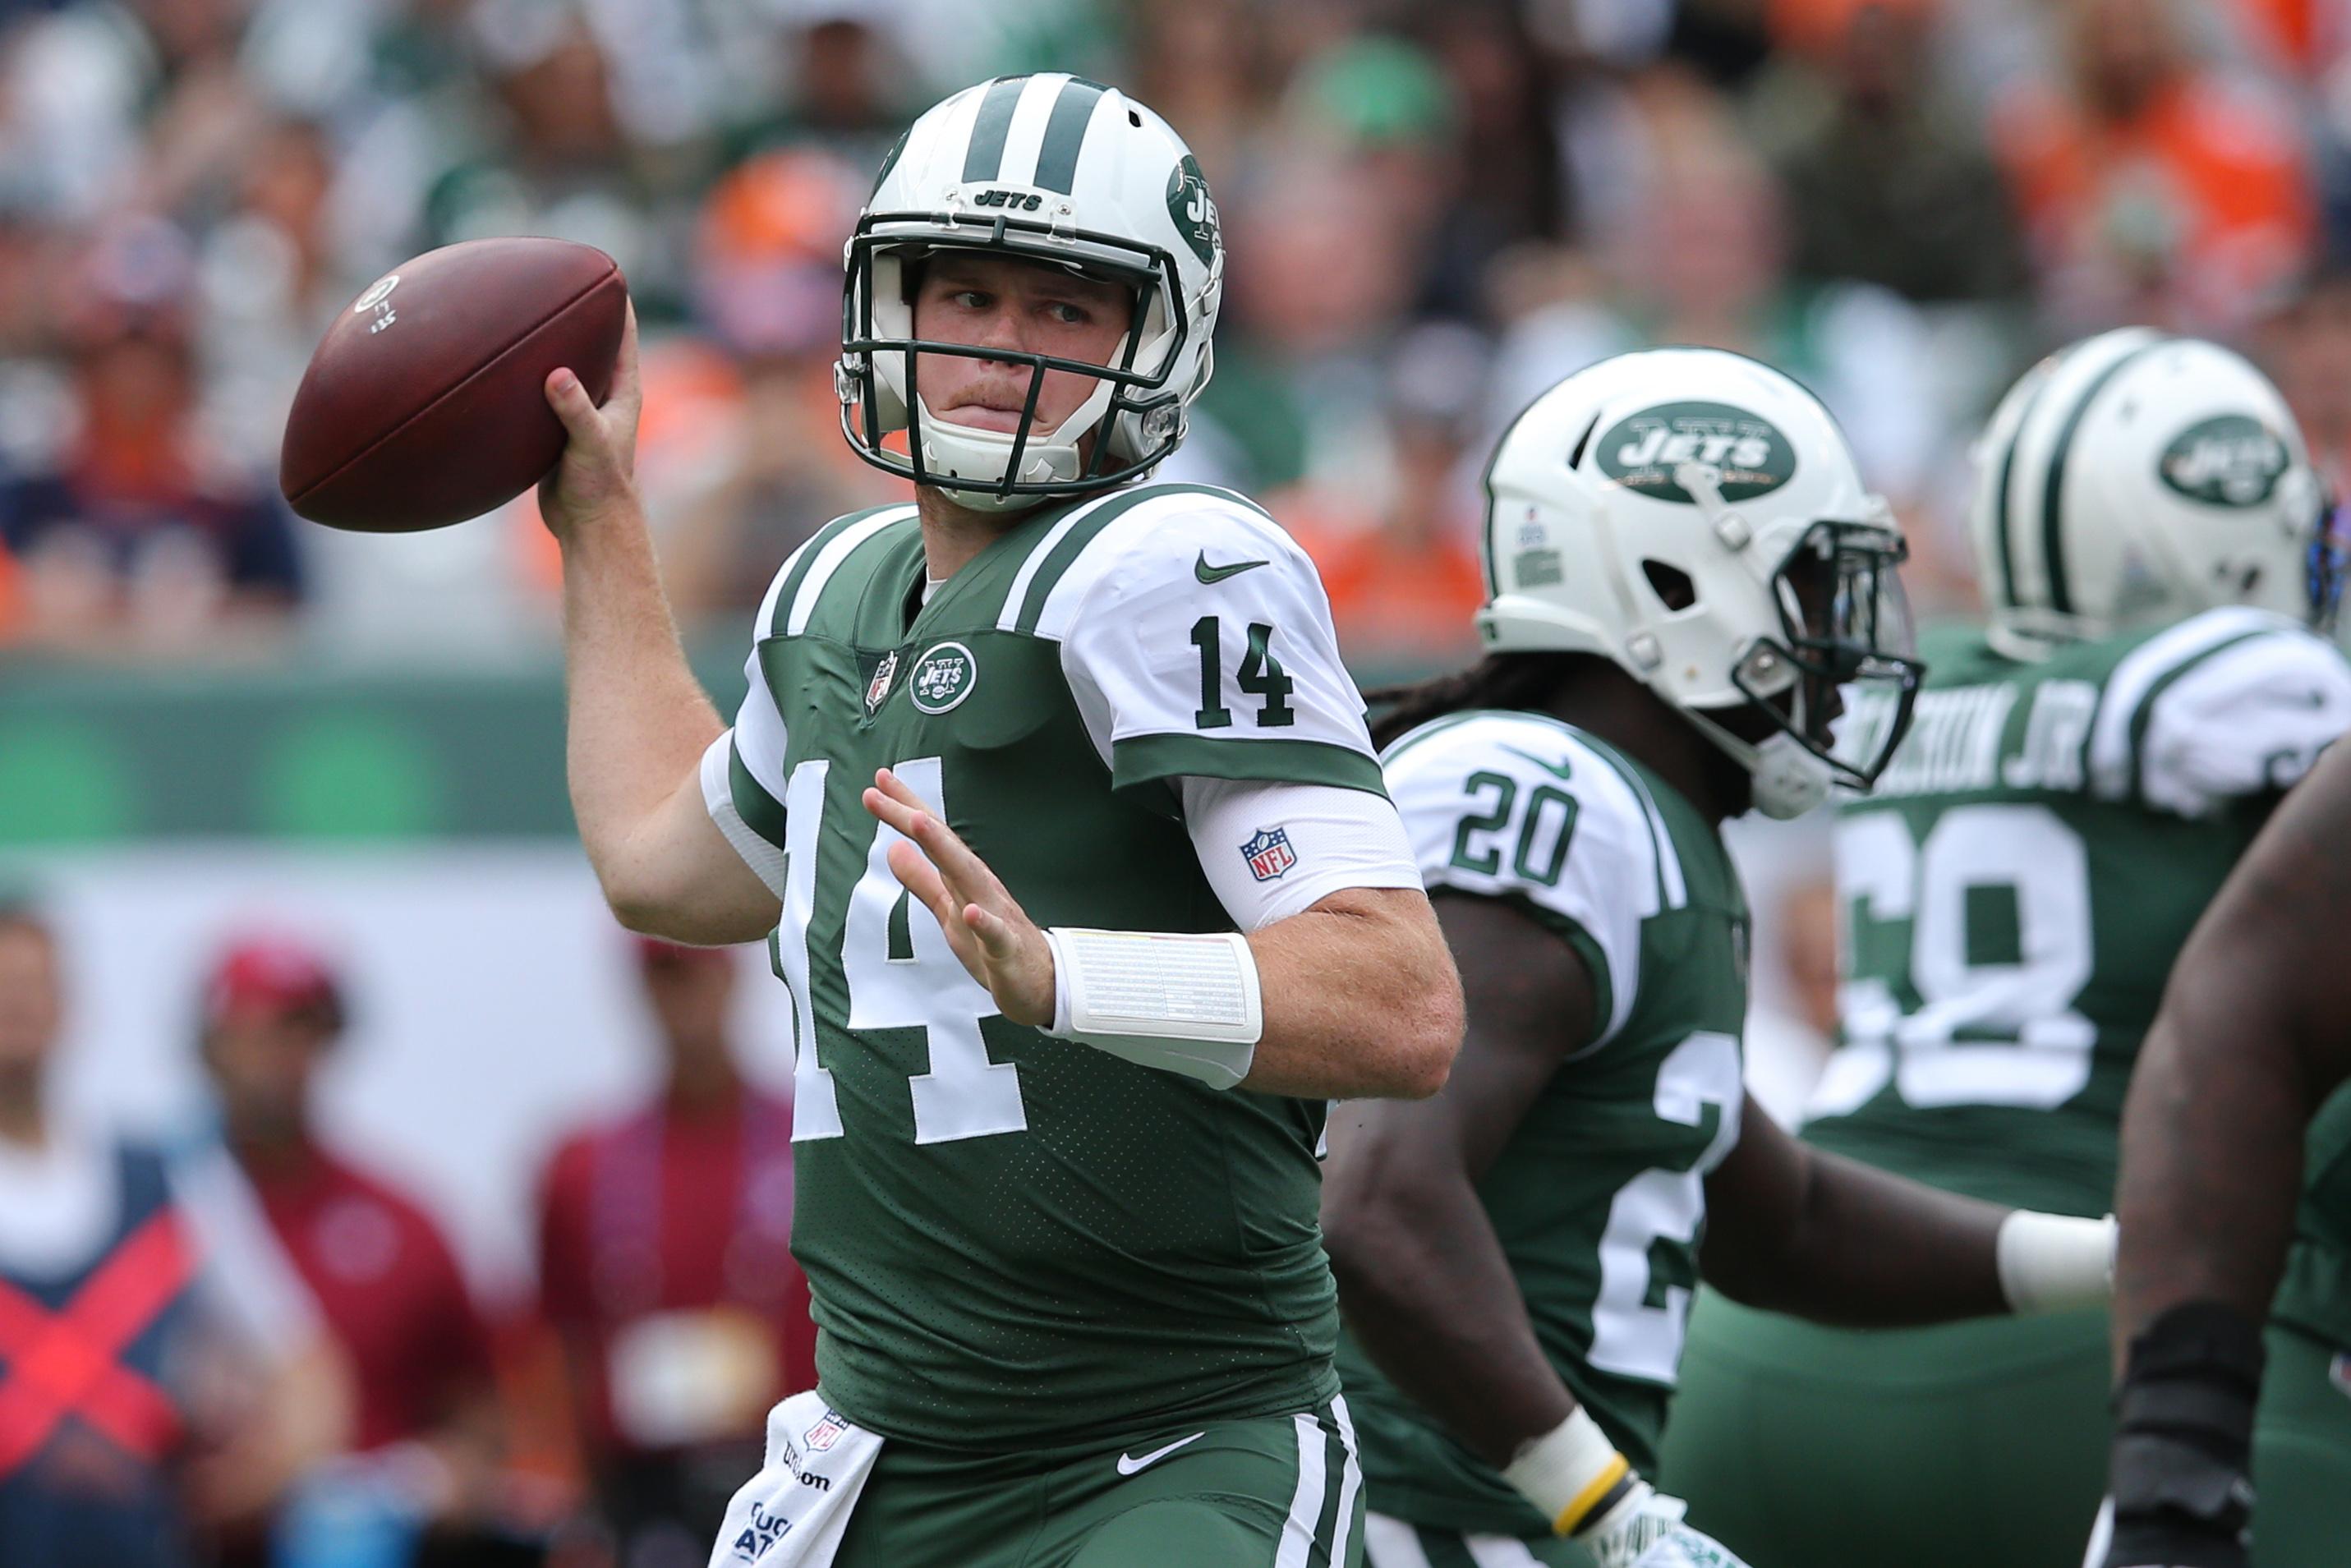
x,y
1058,169
1697,517
2135,479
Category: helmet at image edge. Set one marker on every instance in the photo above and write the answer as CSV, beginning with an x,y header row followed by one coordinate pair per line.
x,y
2135,479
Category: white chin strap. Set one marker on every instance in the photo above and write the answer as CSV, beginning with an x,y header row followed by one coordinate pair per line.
x,y
1788,779
983,456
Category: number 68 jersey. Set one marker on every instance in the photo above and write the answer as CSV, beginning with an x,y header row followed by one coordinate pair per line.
x,y
2016,887
1012,1239
1598,1197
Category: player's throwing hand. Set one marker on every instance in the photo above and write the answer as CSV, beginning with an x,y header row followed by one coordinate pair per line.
x,y
600,453
1001,946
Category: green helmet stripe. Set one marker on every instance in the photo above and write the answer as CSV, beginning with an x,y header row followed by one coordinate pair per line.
x,y
1065,129
2005,521
2052,493
990,128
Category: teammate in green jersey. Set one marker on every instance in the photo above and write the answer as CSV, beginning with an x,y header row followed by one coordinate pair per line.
x,y
1080,874
2081,773
1685,570
2251,1048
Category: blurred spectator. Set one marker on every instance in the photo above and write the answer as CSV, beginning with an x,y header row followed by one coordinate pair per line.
x,y
1509,178
384,1282
549,153
1568,178
268,279
1403,586
1885,184
160,1374
666,1264
1203,67
847,89
738,449
132,528
2307,349
2153,188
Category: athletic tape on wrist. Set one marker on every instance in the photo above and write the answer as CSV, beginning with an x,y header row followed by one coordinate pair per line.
x,y
2055,1262
1572,1473
1182,1003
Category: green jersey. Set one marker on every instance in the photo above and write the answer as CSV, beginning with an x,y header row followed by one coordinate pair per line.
x,y
1012,1239
2315,1295
1598,1199
2018,884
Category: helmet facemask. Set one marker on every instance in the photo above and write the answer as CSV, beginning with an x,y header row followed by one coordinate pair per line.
x,y
1836,689
1135,417
2325,565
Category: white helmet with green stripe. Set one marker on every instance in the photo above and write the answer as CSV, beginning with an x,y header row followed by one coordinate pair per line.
x,y
2135,479
1058,169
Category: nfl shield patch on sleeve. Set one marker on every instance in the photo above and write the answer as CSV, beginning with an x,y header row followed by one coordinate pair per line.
x,y
1269,853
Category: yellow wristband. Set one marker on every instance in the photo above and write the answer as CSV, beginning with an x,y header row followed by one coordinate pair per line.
x,y
1572,1473
1587,1502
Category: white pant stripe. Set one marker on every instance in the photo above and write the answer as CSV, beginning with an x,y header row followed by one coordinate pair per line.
x,y
1351,1481
1306,1504
1390,1542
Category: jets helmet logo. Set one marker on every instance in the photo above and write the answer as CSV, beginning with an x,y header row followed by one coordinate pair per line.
x,y
1643,450
1194,210
2230,460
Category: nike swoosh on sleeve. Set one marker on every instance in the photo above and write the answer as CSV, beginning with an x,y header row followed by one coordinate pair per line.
x,y
1207,573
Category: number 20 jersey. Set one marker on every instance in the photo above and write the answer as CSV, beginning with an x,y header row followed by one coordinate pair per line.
x,y
1013,1240
2018,884
1598,1197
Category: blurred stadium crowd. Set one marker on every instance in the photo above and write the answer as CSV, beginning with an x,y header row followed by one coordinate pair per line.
x,y
1434,210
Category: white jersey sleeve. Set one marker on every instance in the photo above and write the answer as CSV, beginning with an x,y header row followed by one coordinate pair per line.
x,y
1196,641
1522,808
1272,850
2227,705
743,770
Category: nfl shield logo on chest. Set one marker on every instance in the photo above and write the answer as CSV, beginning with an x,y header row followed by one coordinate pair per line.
x,y
1269,853
879,686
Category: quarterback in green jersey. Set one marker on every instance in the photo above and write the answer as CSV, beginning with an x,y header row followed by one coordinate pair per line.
x,y
1685,570
1079,868
2241,1090
2081,776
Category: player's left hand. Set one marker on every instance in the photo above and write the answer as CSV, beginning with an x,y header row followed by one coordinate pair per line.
x,y
1646,1531
1001,946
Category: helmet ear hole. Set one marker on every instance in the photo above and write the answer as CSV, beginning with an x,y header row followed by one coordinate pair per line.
x,y
1671,584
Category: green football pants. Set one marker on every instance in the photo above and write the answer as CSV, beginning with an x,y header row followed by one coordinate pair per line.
x,y
1394,1543
1962,1445
2301,1456
1277,1491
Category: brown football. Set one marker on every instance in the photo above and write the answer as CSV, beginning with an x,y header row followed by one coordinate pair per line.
x,y
424,405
